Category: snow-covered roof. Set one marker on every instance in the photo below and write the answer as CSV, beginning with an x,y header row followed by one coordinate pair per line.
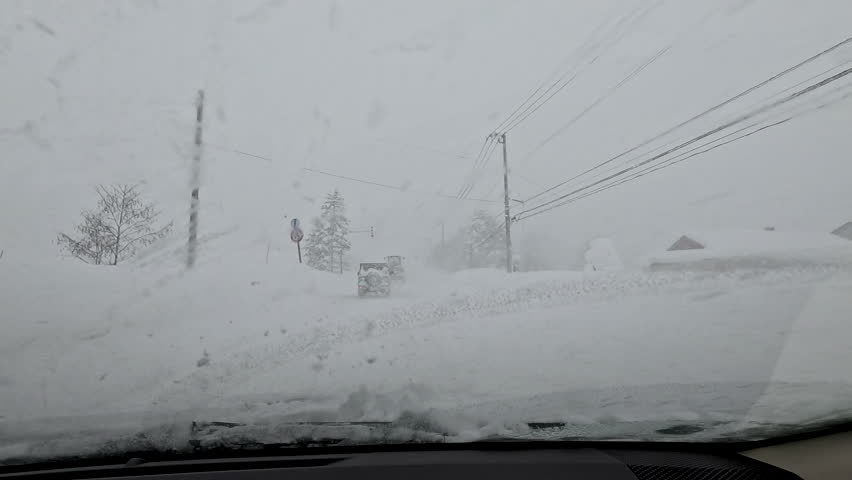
x,y
749,243
844,231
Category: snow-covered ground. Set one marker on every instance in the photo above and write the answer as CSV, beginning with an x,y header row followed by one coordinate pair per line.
x,y
245,341
389,102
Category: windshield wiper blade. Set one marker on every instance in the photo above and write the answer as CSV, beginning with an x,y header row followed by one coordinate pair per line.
x,y
208,436
217,434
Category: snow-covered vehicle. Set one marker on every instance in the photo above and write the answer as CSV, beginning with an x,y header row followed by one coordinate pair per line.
x,y
396,270
374,279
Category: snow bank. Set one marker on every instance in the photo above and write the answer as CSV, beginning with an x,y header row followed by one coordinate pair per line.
x,y
79,339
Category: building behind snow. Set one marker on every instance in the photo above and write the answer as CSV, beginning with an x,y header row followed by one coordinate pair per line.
x,y
844,231
685,243
724,250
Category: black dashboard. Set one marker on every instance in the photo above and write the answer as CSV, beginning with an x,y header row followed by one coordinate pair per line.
x,y
498,463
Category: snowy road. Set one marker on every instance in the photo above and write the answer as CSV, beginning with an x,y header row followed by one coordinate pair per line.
x,y
260,341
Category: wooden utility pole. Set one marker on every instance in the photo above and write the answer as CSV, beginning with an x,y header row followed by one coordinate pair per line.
x,y
195,181
508,218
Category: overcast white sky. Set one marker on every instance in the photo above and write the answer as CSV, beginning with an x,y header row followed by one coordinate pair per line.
x,y
99,91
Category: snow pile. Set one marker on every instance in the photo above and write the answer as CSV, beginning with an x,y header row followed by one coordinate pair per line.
x,y
79,339
602,256
770,247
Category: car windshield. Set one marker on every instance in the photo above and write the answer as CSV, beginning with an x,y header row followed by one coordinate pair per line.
x,y
239,223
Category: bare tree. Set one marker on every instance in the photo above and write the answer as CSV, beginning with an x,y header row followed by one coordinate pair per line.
x,y
121,224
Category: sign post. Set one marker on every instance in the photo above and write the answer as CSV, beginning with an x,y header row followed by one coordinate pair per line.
x,y
296,235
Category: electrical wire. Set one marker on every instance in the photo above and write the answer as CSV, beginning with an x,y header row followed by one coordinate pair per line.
x,y
475,175
595,52
754,105
718,129
698,116
575,53
699,150
633,74
361,180
649,170
613,89
465,185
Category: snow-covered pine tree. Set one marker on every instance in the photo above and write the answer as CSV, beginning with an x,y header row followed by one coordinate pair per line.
x,y
328,239
317,252
337,228
485,241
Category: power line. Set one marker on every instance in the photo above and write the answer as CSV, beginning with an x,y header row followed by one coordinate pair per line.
x,y
696,117
474,176
689,153
363,181
396,187
485,159
686,155
633,74
475,163
653,168
518,116
576,52
425,149
754,105
618,31
718,129
699,150
514,124
509,127
616,87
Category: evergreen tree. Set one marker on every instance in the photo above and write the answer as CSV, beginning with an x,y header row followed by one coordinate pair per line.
x,y
485,241
482,244
328,240
337,226
316,246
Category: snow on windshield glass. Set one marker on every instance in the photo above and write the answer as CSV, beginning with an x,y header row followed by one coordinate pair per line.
x,y
457,220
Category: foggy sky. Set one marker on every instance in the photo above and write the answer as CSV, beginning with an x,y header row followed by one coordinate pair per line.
x,y
398,92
